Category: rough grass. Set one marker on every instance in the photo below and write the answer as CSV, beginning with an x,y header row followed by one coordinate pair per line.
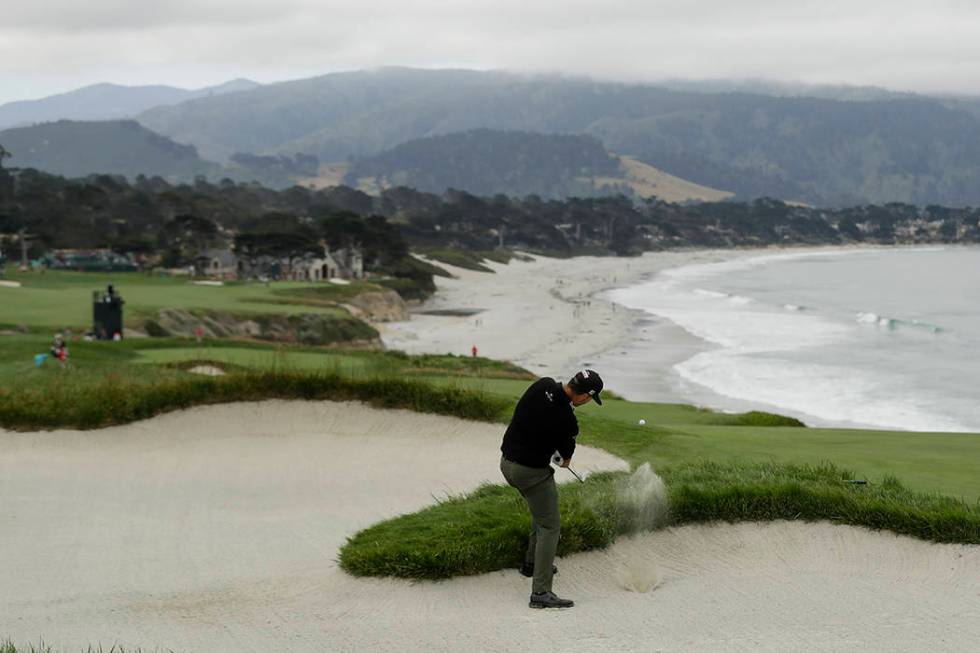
x,y
115,399
487,529
7,646
465,365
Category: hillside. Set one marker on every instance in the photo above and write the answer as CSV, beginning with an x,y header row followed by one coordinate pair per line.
x,y
490,162
820,151
122,147
106,102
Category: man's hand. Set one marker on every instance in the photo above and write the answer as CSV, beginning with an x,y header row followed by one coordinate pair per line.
x,y
566,463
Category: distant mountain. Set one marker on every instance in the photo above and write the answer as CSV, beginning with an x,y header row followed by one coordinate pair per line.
x,y
815,150
121,147
845,92
490,162
106,102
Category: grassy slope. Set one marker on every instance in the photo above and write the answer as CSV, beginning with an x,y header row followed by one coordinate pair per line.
x,y
647,181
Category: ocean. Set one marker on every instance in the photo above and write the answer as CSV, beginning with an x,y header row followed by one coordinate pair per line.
x,y
883,337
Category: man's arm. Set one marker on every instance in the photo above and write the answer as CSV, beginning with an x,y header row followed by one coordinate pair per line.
x,y
566,442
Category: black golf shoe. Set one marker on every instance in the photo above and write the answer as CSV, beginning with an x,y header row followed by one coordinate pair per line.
x,y
527,569
549,600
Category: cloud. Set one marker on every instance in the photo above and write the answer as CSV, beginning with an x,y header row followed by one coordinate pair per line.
x,y
899,44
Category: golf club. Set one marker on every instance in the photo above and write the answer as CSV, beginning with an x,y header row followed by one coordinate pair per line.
x,y
558,460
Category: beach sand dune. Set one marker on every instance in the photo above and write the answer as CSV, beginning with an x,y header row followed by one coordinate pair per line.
x,y
217,529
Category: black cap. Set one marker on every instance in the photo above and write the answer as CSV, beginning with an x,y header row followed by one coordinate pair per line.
x,y
587,382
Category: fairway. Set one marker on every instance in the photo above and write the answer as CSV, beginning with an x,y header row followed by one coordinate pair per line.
x,y
269,359
59,300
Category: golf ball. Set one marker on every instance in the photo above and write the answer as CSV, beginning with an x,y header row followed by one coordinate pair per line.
x,y
642,422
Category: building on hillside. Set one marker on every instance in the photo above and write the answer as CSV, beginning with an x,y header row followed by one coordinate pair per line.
x,y
217,263
88,260
350,262
345,263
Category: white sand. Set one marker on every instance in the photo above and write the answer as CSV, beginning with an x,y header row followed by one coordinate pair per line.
x,y
207,370
217,529
542,314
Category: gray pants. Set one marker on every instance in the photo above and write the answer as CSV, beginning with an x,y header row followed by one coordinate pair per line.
x,y
537,486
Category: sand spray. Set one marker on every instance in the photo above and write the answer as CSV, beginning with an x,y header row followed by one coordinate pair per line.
x,y
643,498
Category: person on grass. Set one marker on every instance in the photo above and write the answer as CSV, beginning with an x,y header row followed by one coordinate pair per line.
x,y
59,350
544,423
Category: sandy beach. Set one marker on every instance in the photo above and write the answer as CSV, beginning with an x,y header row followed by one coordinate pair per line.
x,y
548,315
217,529
542,314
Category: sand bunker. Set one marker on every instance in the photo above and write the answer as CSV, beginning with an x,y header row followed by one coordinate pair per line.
x,y
207,370
217,529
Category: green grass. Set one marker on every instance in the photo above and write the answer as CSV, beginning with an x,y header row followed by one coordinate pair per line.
x,y
120,398
63,300
679,434
119,382
487,529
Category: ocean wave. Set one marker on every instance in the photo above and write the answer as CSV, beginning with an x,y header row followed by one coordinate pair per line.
x,y
892,323
710,293
833,393
714,294
707,270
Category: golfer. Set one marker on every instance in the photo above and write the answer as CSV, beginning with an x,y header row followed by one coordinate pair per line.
x,y
544,423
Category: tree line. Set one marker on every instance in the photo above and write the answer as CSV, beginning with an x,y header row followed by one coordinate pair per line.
x,y
152,217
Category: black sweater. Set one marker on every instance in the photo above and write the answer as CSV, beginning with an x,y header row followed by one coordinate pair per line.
x,y
543,423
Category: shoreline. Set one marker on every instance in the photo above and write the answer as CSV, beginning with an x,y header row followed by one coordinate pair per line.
x,y
538,316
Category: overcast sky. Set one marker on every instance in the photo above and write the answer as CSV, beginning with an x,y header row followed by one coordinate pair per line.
x,y
51,46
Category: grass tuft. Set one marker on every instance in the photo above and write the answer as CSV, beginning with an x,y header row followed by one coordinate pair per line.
x,y
7,646
116,400
487,529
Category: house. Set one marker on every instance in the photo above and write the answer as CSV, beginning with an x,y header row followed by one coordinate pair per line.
x,y
218,263
314,268
346,263
350,263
